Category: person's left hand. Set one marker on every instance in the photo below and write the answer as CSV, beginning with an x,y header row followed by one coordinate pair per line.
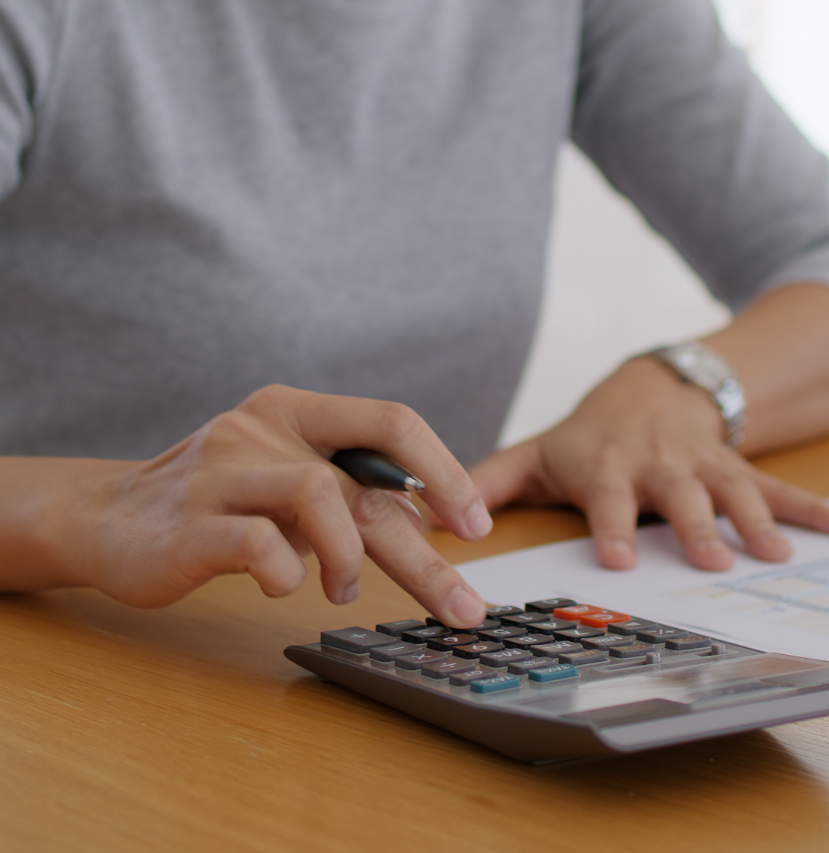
x,y
643,442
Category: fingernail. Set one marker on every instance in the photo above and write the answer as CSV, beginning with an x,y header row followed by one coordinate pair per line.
x,y
620,550
350,593
478,520
774,546
467,609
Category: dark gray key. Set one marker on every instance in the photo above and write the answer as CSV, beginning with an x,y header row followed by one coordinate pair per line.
x,y
629,629
445,668
423,635
389,653
505,657
358,640
581,658
553,650
499,610
521,666
475,650
548,605
418,659
634,650
550,626
526,641
606,641
498,635
519,620
485,625
660,633
395,629
577,633
463,679
693,641
450,641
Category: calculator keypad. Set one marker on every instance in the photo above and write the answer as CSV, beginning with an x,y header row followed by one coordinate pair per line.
x,y
553,641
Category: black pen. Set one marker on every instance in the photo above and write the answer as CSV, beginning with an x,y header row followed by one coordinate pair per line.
x,y
376,471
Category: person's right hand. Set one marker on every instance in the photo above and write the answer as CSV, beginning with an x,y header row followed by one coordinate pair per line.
x,y
252,491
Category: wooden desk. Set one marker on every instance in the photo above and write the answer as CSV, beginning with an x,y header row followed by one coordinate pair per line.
x,y
186,729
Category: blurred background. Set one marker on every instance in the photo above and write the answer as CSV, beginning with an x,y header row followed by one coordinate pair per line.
x,y
614,287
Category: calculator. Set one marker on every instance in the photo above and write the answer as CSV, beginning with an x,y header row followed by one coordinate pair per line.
x,y
560,680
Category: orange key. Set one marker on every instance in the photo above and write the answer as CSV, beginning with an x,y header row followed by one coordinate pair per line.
x,y
576,611
599,620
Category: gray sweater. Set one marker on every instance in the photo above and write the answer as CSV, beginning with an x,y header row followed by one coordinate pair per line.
x,y
201,197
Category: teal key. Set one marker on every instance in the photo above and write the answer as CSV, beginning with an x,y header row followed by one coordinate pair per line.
x,y
553,673
492,685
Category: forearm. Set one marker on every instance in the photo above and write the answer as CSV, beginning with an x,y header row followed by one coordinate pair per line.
x,y
779,347
41,507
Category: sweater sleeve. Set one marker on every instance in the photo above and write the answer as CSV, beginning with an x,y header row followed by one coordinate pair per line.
x,y
676,120
29,34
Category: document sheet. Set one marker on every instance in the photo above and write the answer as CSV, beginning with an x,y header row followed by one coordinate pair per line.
x,y
774,607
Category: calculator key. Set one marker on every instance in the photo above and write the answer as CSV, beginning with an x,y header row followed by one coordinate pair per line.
x,y
634,650
523,666
525,642
450,641
359,640
475,650
499,610
464,679
498,635
630,627
550,626
660,634
496,684
522,619
505,657
600,620
445,668
553,673
693,641
577,633
416,660
389,653
395,629
548,605
575,611
423,635
581,658
553,650
606,641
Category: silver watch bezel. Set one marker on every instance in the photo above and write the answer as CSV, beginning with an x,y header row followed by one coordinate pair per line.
x,y
698,364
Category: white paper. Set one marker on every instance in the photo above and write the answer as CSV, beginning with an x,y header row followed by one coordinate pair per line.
x,y
774,607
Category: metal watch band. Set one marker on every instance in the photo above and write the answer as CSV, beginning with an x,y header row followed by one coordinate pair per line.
x,y
698,364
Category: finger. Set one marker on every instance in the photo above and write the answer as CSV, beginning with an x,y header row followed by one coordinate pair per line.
x,y
307,496
405,556
611,508
685,503
740,498
330,423
510,475
795,505
252,544
403,500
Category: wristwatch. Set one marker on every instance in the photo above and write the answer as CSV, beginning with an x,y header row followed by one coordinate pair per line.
x,y
696,363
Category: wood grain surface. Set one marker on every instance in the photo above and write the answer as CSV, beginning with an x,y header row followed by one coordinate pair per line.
x,y
185,729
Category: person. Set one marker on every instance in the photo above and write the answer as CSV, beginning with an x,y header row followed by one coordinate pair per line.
x,y
336,213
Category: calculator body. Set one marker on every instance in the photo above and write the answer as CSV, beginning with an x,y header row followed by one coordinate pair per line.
x,y
550,707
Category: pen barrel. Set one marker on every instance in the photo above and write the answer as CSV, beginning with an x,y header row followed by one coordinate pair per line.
x,y
376,471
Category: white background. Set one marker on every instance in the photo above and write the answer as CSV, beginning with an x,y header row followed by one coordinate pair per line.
x,y
614,287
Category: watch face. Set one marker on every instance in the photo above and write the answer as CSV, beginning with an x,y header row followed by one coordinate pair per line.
x,y
699,364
